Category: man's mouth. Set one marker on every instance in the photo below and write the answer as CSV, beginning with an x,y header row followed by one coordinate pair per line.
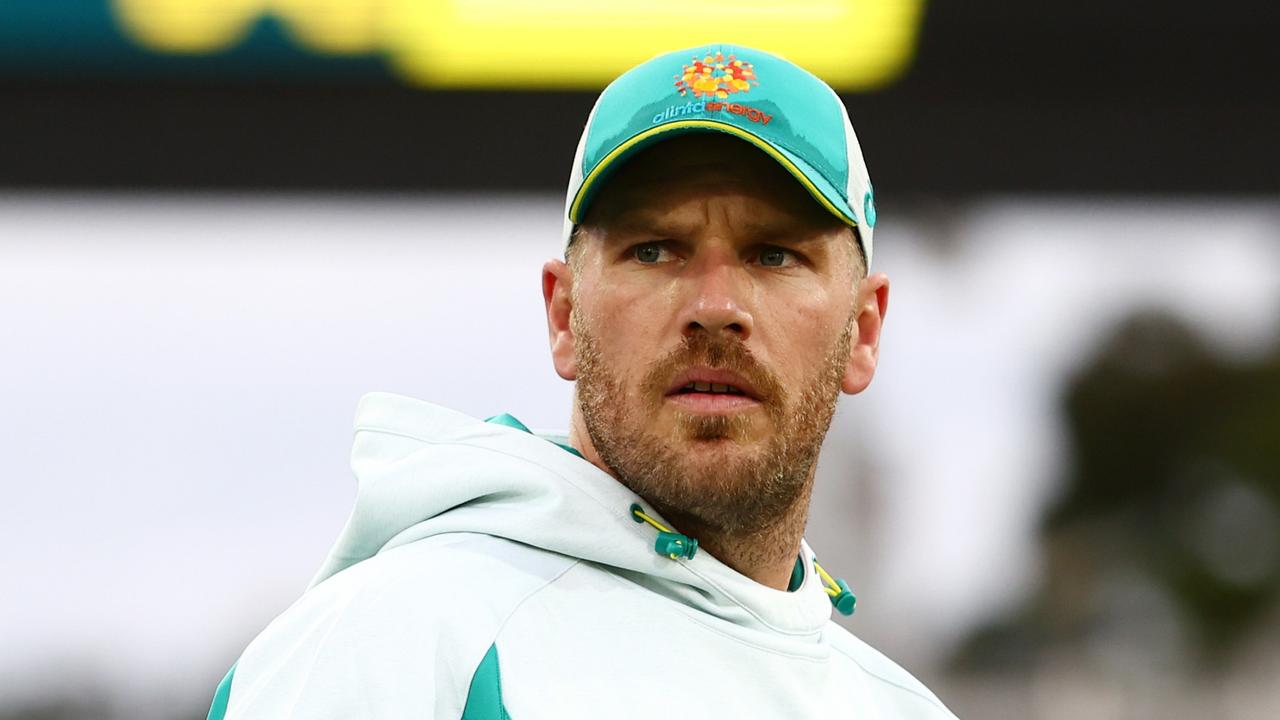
x,y
707,382
710,388
714,391
712,402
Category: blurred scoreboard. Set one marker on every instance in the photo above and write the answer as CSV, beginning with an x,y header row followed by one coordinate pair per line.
x,y
537,44
951,99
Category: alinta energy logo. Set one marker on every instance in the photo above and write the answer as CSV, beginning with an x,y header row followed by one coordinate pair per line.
x,y
714,78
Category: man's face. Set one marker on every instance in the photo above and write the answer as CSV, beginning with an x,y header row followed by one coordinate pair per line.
x,y
702,256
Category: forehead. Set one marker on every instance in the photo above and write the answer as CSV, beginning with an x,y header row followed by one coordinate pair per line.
x,y
668,173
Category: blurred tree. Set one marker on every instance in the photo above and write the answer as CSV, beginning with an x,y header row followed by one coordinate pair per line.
x,y
1164,545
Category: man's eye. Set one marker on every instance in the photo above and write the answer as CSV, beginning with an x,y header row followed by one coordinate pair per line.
x,y
775,256
647,253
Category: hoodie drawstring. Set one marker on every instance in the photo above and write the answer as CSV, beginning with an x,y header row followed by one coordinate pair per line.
x,y
670,543
675,545
838,591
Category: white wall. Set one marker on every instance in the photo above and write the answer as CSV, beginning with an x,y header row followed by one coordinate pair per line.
x,y
178,376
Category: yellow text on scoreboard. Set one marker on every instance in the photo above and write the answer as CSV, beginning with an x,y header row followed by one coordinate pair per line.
x,y
852,44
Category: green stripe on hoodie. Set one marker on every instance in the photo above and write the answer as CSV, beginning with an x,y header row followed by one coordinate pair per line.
x,y
221,695
484,699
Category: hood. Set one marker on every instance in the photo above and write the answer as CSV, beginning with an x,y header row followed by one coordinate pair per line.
x,y
424,470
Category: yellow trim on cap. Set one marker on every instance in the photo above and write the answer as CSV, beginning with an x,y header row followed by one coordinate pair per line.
x,y
711,125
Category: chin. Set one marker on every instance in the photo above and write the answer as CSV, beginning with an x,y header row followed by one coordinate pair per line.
x,y
718,428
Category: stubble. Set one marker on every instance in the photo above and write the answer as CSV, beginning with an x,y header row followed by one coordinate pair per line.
x,y
709,471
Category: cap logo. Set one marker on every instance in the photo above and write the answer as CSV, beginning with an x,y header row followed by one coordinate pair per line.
x,y
716,76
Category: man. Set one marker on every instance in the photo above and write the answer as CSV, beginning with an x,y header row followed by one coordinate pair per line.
x,y
714,302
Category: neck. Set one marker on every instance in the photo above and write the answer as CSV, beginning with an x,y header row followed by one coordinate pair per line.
x,y
766,555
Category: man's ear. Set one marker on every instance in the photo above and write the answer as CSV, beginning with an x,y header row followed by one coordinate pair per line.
x,y
557,294
864,350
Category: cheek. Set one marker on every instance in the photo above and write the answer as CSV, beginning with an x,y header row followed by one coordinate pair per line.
x,y
629,330
799,337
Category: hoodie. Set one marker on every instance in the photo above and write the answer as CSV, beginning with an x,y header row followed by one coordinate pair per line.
x,y
487,571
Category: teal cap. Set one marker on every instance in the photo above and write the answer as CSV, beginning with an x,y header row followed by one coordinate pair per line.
x,y
775,105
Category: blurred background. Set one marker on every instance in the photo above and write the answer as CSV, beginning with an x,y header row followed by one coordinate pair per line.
x,y
222,221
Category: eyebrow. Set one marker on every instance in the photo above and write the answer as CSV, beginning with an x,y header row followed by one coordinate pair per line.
x,y
641,223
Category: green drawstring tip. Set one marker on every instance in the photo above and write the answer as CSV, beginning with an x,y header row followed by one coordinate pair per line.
x,y
845,601
672,544
675,545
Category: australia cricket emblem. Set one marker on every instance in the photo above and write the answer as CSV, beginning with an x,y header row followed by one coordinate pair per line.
x,y
716,76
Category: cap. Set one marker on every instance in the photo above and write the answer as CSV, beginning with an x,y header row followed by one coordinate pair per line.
x,y
775,105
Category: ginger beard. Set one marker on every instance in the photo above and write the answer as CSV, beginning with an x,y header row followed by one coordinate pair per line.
x,y
708,469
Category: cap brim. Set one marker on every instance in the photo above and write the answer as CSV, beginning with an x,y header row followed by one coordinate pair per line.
x,y
813,181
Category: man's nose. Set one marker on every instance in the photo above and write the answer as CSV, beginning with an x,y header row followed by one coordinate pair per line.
x,y
716,296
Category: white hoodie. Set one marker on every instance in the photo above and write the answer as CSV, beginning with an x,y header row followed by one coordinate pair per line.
x,y
487,572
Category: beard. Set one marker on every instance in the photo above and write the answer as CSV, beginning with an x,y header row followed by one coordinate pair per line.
x,y
708,470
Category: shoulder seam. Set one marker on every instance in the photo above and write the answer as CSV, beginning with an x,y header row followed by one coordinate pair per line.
x,y
346,607
381,588
529,595
905,688
493,642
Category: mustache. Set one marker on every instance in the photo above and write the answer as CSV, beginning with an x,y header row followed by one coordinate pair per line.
x,y
702,349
